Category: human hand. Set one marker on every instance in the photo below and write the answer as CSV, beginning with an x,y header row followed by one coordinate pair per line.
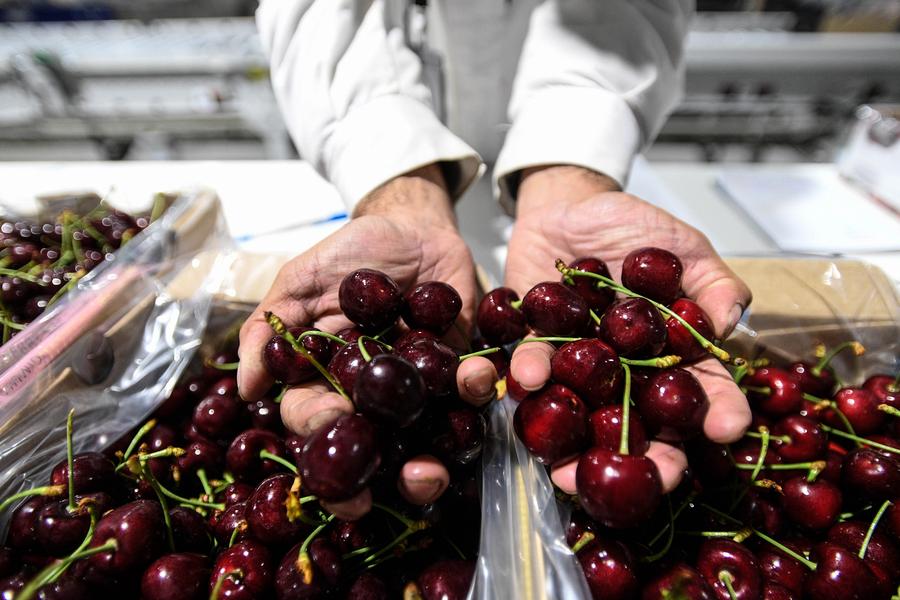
x,y
406,229
569,212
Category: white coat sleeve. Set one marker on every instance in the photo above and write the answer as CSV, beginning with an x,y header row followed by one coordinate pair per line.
x,y
595,81
352,95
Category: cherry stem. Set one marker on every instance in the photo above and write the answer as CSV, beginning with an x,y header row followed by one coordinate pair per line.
x,y
22,275
397,540
783,466
278,326
586,538
161,496
484,352
145,428
865,544
626,410
673,517
52,572
894,386
725,577
181,499
594,316
204,482
410,524
711,534
858,440
324,334
759,390
516,304
705,343
795,555
73,279
265,454
280,396
361,344
671,529
241,526
784,439
304,564
660,362
232,366
357,552
822,403
70,460
217,589
763,450
858,350
44,490
887,408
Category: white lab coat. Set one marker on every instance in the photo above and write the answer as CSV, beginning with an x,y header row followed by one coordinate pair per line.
x,y
593,83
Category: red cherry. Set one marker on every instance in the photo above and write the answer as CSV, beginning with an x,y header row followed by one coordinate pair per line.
x,y
679,580
617,490
719,557
815,505
634,328
860,406
597,298
785,395
807,440
608,570
370,298
653,272
552,423
553,309
839,575
674,404
679,340
591,369
883,388
821,385
497,320
606,427
246,570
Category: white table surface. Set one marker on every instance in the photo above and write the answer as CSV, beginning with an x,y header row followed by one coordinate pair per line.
x,y
268,204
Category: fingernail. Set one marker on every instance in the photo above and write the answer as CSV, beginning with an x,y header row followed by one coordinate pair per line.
x,y
734,316
480,384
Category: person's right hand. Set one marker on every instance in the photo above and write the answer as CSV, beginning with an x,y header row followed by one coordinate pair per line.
x,y
406,229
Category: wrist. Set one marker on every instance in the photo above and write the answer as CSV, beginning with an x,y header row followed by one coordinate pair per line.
x,y
555,184
420,194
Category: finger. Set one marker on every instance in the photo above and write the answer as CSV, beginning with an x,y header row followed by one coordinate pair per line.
x,y
530,365
715,287
563,476
307,408
671,463
353,509
476,379
252,378
729,414
423,479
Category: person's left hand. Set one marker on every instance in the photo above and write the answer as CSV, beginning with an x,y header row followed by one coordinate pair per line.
x,y
569,212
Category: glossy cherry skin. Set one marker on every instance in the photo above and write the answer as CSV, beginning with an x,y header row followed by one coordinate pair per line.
x,y
348,536
389,390
673,403
251,567
370,298
241,492
773,591
92,472
368,587
432,305
265,414
608,570
446,580
189,530
746,452
60,531
219,417
807,440
233,518
326,564
762,512
460,435
821,385
782,569
242,457
346,362
414,335
815,505
436,363
269,514
339,460
21,534
180,576
883,388
679,340
871,473
785,396
678,579
606,430
552,423
619,491
139,530
881,550
892,519
498,322
860,406
634,328
500,358
654,273
289,366
553,309
591,369
597,298
839,575
717,556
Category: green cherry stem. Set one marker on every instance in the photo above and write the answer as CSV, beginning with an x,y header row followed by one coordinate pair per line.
x,y
795,555
232,366
220,582
361,344
858,350
594,316
145,428
887,408
22,275
51,573
868,538
484,352
725,578
304,563
516,304
784,439
783,466
859,440
161,496
204,482
894,386
324,334
705,343
586,538
660,362
765,391
671,537
626,410
763,450
70,461
265,454
44,490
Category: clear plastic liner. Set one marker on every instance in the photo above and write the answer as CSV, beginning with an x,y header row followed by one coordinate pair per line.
x,y
523,551
144,312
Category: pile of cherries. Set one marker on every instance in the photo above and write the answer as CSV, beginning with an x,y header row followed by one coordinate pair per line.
x,y
213,498
804,506
39,262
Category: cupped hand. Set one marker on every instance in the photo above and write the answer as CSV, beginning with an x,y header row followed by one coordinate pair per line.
x,y
405,229
569,212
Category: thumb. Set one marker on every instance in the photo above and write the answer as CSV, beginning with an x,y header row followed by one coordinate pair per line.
x,y
719,291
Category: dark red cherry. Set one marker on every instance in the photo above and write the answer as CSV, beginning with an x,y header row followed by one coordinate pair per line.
x,y
784,396
881,550
515,389
634,328
746,452
273,511
92,472
246,569
579,524
368,586
883,388
60,531
617,490
265,414
760,510
552,308
181,576
606,428
673,403
446,580
709,461
608,570
389,390
892,519
219,417
860,406
679,340
370,298
243,458
591,369
348,536
460,435
773,591
821,385
240,492
189,530
326,571
871,473
200,454
807,440
9,561
717,557
21,534
840,575
289,366
500,358
815,505
597,297
139,531
778,567
552,423
339,460
678,581
432,305
654,273
436,363
346,362
225,523
350,334
497,320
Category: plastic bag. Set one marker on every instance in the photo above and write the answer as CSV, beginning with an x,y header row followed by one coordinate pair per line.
x,y
145,311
